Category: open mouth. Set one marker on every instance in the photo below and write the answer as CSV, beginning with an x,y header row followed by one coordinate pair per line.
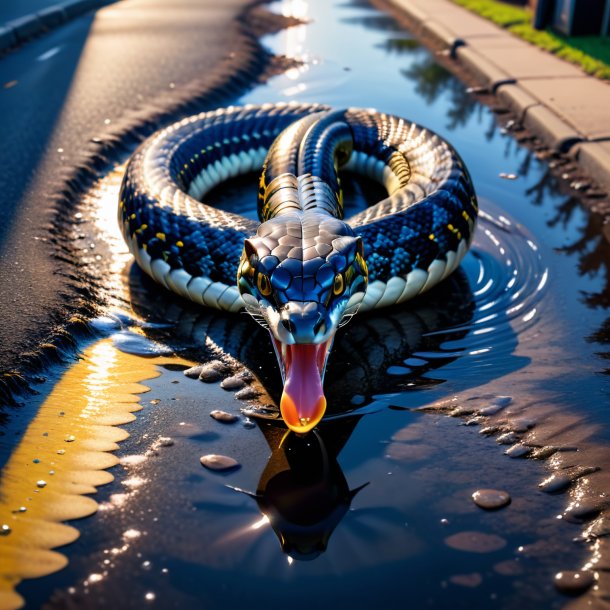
x,y
303,402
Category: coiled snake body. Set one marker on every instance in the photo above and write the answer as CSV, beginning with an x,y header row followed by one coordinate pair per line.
x,y
302,271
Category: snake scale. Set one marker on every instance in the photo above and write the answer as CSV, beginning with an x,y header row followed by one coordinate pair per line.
x,y
302,271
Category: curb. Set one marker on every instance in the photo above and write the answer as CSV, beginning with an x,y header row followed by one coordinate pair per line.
x,y
18,31
559,135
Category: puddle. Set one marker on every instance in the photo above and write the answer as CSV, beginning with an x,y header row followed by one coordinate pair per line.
x,y
494,382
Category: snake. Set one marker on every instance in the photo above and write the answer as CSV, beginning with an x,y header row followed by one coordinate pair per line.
x,y
302,270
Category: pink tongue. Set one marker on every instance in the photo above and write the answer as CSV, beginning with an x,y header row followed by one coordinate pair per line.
x,y
303,401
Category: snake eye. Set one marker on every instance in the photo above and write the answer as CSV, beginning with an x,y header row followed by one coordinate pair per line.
x,y
263,284
338,284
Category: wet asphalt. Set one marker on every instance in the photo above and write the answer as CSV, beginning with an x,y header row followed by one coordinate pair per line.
x,y
59,91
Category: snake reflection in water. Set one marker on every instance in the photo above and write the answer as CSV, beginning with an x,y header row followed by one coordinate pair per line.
x,y
302,271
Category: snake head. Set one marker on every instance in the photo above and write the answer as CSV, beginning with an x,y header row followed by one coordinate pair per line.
x,y
302,282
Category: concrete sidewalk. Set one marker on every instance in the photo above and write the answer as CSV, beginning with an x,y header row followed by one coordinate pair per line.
x,y
567,108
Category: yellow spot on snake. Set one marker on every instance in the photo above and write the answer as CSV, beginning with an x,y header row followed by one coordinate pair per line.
x,y
133,217
431,236
180,244
161,236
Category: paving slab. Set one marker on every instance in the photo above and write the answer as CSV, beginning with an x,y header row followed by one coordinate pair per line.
x,y
522,60
584,103
454,18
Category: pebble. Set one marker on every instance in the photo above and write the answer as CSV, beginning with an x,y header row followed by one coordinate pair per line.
x,y
41,483
518,450
559,481
213,371
164,441
510,567
223,416
247,394
574,583
194,371
491,499
233,383
218,462
508,438
475,542
467,580
522,424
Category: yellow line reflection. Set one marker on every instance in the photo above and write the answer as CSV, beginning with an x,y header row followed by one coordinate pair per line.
x,y
62,457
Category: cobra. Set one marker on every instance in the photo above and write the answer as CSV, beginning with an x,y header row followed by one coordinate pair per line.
x,y
303,270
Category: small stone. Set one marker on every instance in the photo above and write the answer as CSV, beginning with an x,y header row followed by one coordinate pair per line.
x,y
41,483
491,499
194,371
165,441
508,438
510,567
248,393
223,416
70,438
213,371
518,450
233,383
522,424
219,462
475,542
574,583
467,580
403,452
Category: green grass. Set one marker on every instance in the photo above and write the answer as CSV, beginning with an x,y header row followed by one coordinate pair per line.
x,y
591,53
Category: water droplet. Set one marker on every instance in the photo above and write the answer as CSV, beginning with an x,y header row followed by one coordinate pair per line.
x,y
574,583
146,565
131,534
150,596
41,483
475,542
93,578
223,416
5,529
219,462
491,499
508,176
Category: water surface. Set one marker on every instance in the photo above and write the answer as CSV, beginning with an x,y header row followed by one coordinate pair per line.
x,y
376,509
